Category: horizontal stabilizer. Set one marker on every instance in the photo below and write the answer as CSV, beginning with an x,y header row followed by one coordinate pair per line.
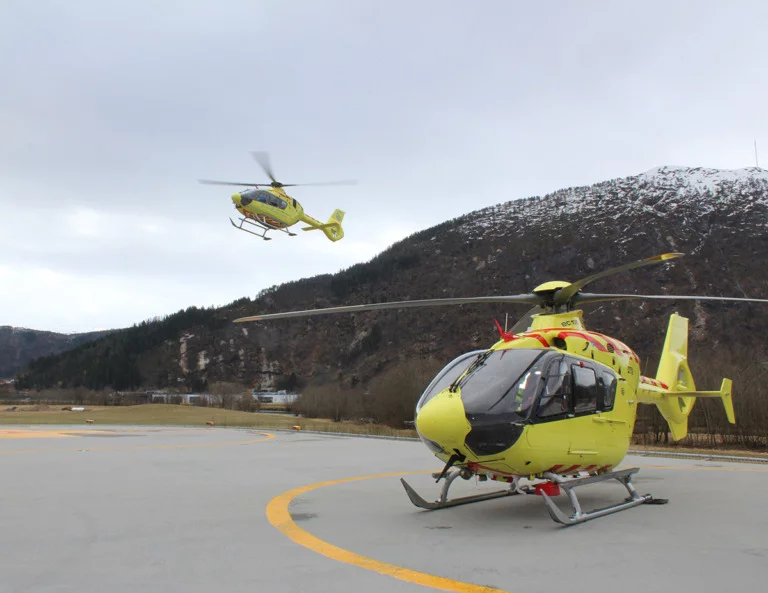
x,y
724,394
320,227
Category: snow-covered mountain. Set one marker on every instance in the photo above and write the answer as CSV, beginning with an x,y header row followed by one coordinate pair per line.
x,y
684,192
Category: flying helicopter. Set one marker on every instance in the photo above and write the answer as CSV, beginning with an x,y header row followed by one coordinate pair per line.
x,y
267,207
550,405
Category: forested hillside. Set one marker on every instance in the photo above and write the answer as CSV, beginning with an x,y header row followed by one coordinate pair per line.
x,y
719,219
19,345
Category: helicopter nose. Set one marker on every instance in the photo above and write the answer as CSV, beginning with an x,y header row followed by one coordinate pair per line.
x,y
443,421
236,199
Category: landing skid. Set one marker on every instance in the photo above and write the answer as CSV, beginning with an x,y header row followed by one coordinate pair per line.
x,y
261,225
623,476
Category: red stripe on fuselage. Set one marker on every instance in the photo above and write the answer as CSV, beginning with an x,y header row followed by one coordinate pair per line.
x,y
473,465
554,468
619,346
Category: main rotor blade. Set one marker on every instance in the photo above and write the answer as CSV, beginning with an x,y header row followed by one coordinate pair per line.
x,y
521,298
525,321
566,294
595,298
212,182
342,182
263,159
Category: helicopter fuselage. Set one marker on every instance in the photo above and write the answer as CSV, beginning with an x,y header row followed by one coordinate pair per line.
x,y
271,206
557,398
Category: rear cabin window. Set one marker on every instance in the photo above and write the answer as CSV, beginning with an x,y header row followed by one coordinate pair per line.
x,y
606,384
584,389
574,388
267,198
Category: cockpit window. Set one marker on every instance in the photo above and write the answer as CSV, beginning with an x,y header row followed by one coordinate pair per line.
x,y
452,371
556,397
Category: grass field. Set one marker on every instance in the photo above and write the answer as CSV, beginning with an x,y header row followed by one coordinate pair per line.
x,y
173,415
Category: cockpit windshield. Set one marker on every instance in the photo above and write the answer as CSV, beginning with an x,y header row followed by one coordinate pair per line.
x,y
452,371
505,383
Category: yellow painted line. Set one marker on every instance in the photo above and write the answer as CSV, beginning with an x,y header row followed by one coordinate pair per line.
x,y
267,437
34,434
279,516
47,434
706,469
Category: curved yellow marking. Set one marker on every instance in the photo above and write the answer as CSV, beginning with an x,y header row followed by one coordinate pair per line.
x,y
268,436
35,434
49,434
280,517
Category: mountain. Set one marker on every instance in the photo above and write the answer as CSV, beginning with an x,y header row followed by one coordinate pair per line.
x,y
718,218
19,345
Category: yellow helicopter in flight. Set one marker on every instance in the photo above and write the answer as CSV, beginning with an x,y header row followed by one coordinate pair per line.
x,y
267,207
551,405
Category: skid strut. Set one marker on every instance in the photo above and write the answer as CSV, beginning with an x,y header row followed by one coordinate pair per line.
x,y
624,476
262,225
443,502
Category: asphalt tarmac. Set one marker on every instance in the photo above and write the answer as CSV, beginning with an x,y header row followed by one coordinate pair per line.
x,y
127,509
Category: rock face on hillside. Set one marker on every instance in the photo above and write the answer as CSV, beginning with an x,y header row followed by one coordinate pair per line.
x,y
719,219
19,345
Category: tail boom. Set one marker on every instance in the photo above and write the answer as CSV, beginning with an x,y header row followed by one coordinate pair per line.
x,y
332,229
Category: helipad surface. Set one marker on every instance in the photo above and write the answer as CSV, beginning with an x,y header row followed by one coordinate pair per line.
x,y
94,509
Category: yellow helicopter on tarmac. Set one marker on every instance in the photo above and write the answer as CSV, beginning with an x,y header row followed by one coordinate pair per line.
x,y
273,209
551,405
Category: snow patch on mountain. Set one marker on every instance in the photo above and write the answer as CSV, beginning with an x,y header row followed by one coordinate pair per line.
x,y
688,193
699,178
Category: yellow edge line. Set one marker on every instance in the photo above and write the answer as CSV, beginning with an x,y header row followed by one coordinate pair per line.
x,y
706,469
267,437
280,517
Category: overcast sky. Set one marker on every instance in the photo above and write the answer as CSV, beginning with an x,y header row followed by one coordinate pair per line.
x,y
111,111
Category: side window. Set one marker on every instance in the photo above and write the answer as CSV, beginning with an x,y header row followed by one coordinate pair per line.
x,y
606,384
556,398
584,389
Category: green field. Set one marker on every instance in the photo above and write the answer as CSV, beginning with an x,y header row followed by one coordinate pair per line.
x,y
173,415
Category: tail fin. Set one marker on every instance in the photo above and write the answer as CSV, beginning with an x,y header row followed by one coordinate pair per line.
x,y
332,228
674,391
